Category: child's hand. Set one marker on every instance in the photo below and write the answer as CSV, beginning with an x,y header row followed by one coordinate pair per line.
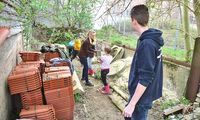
x,y
99,60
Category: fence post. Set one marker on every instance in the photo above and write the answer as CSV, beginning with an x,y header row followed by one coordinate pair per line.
x,y
194,77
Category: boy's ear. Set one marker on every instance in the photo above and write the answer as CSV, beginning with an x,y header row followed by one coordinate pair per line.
x,y
134,21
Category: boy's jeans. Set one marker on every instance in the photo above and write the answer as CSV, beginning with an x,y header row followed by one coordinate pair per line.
x,y
140,113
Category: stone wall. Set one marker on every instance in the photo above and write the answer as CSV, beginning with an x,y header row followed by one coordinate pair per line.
x,y
175,77
8,59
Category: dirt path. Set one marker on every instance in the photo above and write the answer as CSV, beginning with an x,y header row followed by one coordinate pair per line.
x,y
94,105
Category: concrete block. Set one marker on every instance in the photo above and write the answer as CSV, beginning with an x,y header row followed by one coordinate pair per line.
x,y
8,59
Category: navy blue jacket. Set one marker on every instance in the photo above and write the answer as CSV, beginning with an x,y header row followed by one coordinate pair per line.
x,y
147,68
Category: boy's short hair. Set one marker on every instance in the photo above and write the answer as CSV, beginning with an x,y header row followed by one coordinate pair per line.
x,y
107,50
141,14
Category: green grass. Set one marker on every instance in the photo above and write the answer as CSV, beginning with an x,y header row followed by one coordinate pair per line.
x,y
78,98
178,54
172,102
109,34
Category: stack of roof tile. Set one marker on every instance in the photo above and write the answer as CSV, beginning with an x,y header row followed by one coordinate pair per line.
x,y
21,69
50,55
24,82
56,69
29,63
58,91
30,56
39,112
62,64
57,83
63,102
56,75
31,98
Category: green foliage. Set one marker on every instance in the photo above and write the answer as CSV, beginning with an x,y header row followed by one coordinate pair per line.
x,y
78,98
97,75
108,33
184,101
73,14
1,6
39,4
172,102
59,35
178,54
169,103
118,42
27,11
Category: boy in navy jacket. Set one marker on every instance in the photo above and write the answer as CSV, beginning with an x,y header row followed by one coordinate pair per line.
x,y
146,74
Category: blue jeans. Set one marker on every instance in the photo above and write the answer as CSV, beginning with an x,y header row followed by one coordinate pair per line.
x,y
140,113
84,62
89,59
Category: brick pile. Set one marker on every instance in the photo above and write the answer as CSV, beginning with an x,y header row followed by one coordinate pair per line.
x,y
63,102
25,80
38,112
50,55
58,91
30,56
37,85
31,98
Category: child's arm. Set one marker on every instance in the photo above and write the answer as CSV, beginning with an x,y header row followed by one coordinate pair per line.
x,y
100,60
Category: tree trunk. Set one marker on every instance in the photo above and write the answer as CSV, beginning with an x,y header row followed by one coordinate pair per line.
x,y
187,30
194,77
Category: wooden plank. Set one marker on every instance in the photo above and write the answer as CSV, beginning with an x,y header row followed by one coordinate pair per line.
x,y
173,109
77,87
121,93
116,103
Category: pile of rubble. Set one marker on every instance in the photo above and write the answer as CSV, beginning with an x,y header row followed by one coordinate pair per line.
x,y
195,115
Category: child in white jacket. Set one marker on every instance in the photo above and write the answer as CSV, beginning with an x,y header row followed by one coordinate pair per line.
x,y
105,61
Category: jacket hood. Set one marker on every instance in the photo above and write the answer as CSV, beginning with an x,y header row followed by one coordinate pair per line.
x,y
153,34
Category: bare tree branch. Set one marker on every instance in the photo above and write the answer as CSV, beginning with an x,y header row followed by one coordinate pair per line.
x,y
112,18
113,4
126,6
100,7
181,2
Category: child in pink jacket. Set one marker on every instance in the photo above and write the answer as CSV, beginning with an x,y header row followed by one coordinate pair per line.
x,y
105,61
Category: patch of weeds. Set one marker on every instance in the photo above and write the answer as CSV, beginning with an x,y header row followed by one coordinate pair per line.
x,y
78,98
173,102
97,75
117,42
184,101
169,103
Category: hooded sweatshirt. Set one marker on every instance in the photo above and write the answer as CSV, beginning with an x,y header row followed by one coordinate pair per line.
x,y
147,68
